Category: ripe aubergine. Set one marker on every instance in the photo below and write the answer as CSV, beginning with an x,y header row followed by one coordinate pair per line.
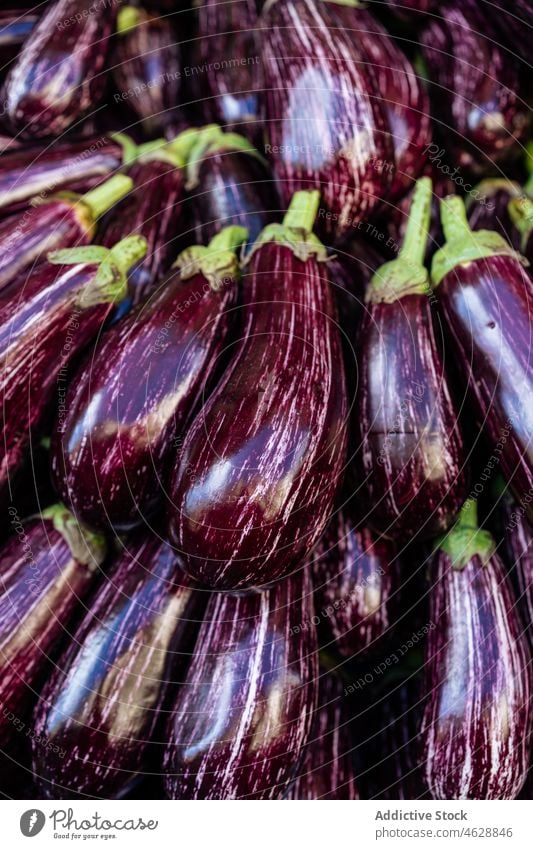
x,y
43,325
243,715
325,124
131,397
250,502
487,208
58,75
477,720
487,297
15,27
410,449
102,703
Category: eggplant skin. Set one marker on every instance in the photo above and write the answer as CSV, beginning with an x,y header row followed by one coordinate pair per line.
x,y
58,76
102,703
489,210
249,502
128,402
42,587
243,716
477,721
516,536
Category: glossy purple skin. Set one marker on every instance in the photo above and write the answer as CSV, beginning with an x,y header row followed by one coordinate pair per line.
x,y
476,105
128,403
357,581
153,210
326,127
41,587
487,306
411,456
477,720
517,554
489,212
58,76
243,716
249,503
102,702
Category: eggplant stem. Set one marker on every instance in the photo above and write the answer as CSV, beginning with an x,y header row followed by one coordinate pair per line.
x,y
413,249
521,213
128,19
86,546
302,211
466,540
103,197
454,219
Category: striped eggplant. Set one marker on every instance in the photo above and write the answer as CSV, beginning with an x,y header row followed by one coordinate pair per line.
x,y
146,67
410,453
112,449
239,725
250,502
487,208
42,328
327,771
520,211
64,220
57,78
325,124
477,720
476,106
486,297
47,567
102,703
15,27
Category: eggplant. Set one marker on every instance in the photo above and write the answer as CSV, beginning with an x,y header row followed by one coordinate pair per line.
x,y
42,328
325,123
327,771
477,719
411,456
15,27
476,106
47,567
249,503
520,210
486,297
239,725
112,449
63,221
227,92
515,24
103,701
487,208
58,76
147,67
350,272
408,10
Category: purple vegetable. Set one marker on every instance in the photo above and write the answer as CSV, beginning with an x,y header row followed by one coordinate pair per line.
x,y
477,720
250,502
350,272
243,716
487,208
516,22
15,27
112,449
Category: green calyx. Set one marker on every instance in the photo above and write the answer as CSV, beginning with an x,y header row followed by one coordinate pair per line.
x,y
89,207
407,274
521,212
86,546
464,245
296,231
128,18
489,187
465,540
194,144
110,282
217,261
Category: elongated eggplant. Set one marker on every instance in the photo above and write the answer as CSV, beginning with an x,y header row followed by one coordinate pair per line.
x,y
42,327
411,452
112,449
477,720
325,124
486,297
147,67
250,502
58,75
15,27
63,221
47,568
487,208
243,715
102,703
520,210
476,105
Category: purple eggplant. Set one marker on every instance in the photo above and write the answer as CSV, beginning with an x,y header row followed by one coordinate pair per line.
x,y
411,452
487,297
487,208
515,21
325,123
477,720
408,10
147,67
520,211
15,27
250,502
103,701
478,111
47,569
63,221
58,76
112,449
43,325
242,717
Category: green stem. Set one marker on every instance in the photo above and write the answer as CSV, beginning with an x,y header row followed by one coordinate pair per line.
x,y
128,252
528,188
127,19
103,197
129,148
218,261
415,240
465,540
86,546
302,211
296,231
521,213
229,239
454,219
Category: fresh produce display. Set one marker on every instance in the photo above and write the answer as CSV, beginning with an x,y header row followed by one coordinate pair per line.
x,y
266,402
